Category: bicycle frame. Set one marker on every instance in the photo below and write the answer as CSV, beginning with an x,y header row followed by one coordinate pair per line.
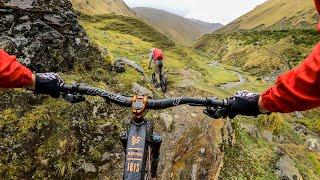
x,y
136,148
140,144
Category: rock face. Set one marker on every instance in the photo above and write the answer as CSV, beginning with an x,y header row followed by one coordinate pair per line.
x,y
44,34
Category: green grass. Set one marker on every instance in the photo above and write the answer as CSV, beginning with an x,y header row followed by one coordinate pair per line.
x,y
311,120
249,159
240,49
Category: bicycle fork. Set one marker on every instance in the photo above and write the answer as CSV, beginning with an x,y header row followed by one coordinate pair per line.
x,y
155,146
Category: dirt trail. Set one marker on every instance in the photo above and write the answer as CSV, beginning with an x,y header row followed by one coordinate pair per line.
x,y
182,144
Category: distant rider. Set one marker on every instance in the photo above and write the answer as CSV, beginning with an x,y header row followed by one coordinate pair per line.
x,y
156,55
15,75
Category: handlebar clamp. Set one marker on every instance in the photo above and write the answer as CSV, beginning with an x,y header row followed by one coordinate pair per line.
x,y
139,104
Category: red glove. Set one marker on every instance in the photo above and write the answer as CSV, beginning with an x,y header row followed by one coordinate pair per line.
x,y
12,73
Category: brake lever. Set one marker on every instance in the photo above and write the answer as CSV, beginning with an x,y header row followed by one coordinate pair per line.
x,y
74,98
216,113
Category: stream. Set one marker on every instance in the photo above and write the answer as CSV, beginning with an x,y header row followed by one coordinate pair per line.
x,y
230,85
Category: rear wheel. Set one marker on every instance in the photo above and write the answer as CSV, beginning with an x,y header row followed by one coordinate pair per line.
x,y
163,83
153,78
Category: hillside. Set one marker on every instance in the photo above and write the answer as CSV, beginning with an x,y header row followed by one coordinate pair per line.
x,y
276,14
263,53
180,29
95,7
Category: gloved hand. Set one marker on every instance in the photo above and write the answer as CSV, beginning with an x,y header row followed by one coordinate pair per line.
x,y
48,83
242,103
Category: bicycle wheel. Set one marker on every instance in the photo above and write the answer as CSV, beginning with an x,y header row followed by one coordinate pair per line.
x,y
163,83
153,78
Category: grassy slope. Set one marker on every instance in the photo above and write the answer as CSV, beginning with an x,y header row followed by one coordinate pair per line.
x,y
180,29
253,157
276,14
241,49
94,7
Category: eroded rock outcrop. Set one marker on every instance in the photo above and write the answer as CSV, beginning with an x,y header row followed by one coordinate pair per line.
x,y
44,34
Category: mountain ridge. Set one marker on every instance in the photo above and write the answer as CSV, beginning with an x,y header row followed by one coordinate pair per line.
x,y
276,15
183,30
100,7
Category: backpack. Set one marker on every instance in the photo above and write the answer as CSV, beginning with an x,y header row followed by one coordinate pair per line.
x,y
157,54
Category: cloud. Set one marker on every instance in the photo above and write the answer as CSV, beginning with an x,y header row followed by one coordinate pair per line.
x,y
223,11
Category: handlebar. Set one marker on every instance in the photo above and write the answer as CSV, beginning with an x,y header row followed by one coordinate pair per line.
x,y
126,101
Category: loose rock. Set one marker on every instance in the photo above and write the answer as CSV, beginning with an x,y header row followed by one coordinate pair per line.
x,y
313,144
167,120
88,168
287,170
106,157
267,135
252,130
140,90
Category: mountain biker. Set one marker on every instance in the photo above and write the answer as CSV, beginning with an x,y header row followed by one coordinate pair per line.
x,y
156,55
295,90
15,75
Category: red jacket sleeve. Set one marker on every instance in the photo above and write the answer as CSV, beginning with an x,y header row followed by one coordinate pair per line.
x,y
298,89
12,73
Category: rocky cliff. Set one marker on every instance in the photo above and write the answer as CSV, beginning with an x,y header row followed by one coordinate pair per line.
x,y
44,34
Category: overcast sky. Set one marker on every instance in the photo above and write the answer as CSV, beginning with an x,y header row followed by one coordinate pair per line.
x,y
217,11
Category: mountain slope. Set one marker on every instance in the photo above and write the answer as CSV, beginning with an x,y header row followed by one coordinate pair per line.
x,y
276,14
259,52
180,29
96,7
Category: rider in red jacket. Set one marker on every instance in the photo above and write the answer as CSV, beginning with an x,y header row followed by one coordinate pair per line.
x,y
15,75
